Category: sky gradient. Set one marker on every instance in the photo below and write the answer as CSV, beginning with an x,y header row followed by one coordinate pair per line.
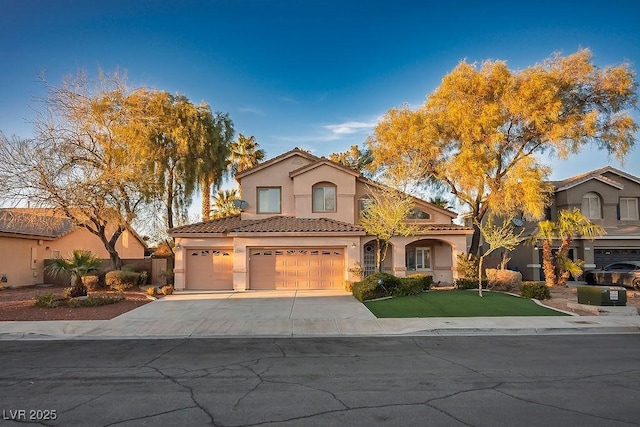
x,y
311,74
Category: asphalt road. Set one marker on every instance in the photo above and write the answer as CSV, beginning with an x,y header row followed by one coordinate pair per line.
x,y
577,380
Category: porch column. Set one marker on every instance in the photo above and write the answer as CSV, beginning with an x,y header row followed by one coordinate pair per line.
x,y
399,266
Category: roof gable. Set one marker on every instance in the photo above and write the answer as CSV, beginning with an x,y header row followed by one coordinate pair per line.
x,y
323,161
295,152
598,175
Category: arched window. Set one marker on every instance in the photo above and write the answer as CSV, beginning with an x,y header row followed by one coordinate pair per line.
x,y
324,197
418,214
591,206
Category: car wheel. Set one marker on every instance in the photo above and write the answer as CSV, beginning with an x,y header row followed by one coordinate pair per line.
x,y
636,284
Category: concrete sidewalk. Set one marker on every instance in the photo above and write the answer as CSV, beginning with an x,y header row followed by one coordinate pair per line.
x,y
294,314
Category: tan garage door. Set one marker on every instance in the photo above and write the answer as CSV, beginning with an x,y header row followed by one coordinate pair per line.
x,y
210,269
296,268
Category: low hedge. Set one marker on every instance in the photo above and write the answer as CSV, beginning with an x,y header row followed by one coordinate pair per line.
x,y
536,290
376,285
425,279
463,283
380,285
121,280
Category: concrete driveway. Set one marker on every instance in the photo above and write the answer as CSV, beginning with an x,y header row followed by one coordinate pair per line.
x,y
266,313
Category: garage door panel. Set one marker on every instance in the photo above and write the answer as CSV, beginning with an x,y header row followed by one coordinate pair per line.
x,y
296,268
209,269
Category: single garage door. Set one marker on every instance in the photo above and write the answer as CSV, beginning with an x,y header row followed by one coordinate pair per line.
x,y
210,269
296,268
604,257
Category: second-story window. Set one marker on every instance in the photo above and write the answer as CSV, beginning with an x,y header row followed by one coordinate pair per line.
x,y
418,214
591,207
324,197
269,200
628,208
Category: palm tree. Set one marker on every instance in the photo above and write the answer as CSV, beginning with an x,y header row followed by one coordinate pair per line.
x,y
441,202
570,223
79,264
213,158
223,205
244,154
547,232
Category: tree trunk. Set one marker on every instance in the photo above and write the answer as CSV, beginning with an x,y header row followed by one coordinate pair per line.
x,y
78,289
547,264
480,260
379,255
206,199
475,240
170,200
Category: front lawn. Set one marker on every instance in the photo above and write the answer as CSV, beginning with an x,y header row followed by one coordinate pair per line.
x,y
458,303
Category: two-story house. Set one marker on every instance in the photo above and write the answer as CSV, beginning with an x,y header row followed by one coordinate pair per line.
x,y
299,229
608,197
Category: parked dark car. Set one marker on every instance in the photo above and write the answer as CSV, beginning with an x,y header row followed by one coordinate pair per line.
x,y
625,274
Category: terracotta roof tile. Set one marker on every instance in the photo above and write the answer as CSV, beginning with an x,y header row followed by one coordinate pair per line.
x,y
220,225
288,224
443,227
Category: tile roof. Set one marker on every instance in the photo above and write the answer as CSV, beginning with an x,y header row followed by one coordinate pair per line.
x,y
289,224
13,221
220,225
595,174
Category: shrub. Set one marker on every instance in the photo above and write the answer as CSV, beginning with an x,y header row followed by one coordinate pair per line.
x,y
121,280
462,283
427,281
409,286
376,285
537,290
92,283
48,300
503,280
167,290
467,266
144,275
95,301
151,290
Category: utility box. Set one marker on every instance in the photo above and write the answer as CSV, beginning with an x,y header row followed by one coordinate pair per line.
x,y
602,295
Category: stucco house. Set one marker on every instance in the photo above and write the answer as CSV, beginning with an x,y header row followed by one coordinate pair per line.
x,y
608,197
29,236
299,230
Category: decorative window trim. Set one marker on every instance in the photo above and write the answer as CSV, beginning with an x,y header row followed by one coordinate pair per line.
x,y
624,213
260,209
588,208
324,186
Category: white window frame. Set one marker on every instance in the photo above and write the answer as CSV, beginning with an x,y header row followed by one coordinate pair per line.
x,y
323,208
420,257
591,206
269,209
627,214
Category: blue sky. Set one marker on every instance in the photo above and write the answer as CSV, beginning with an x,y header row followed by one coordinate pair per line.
x,y
313,74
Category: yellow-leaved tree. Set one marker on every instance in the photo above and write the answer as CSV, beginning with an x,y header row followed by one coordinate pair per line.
x,y
481,132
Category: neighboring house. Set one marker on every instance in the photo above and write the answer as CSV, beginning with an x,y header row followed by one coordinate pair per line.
x,y
608,197
29,236
299,230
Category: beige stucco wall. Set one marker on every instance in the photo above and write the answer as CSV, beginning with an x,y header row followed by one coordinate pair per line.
x,y
345,192
275,175
22,260
16,261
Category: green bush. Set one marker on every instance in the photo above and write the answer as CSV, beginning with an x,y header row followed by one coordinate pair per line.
x,y
427,281
537,290
121,280
409,286
376,285
47,300
462,283
144,276
94,301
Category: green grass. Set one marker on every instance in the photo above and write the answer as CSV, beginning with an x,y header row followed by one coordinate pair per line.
x,y
458,304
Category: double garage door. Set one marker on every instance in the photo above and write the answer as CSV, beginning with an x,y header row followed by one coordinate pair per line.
x,y
296,268
269,268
